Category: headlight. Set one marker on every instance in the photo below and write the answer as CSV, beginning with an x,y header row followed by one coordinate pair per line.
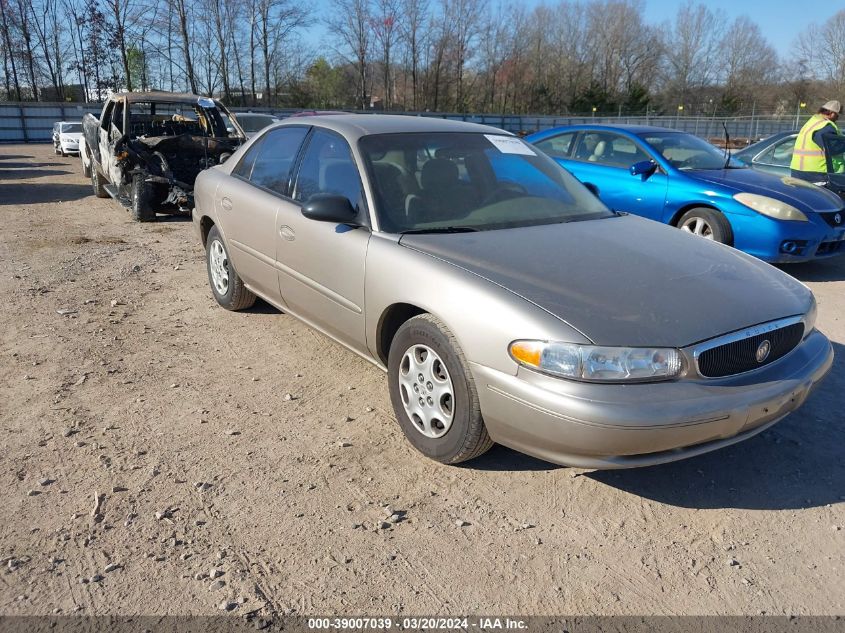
x,y
770,207
598,364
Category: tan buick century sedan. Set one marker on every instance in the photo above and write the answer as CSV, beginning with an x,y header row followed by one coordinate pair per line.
x,y
505,301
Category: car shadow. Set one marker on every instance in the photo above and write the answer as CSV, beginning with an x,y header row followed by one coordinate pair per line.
x,y
27,193
795,464
4,157
501,458
25,174
25,166
164,217
832,269
262,307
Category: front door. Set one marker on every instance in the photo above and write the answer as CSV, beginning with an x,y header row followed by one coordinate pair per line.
x,y
321,264
604,158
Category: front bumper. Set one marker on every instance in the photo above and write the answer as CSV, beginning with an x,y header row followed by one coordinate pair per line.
x,y
70,147
623,426
764,237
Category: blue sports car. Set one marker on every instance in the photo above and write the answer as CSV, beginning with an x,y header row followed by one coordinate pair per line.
x,y
680,179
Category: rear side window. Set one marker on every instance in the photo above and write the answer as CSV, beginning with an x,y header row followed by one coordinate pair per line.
x,y
328,167
268,164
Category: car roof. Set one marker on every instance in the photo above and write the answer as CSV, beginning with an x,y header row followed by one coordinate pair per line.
x,y
158,97
632,129
354,126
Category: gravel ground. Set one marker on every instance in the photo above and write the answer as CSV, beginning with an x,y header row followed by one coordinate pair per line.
x,y
161,455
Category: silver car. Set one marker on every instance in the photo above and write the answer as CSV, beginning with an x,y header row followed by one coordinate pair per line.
x,y
505,301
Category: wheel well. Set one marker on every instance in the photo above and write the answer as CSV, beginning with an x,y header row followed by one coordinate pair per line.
x,y
390,322
205,226
680,212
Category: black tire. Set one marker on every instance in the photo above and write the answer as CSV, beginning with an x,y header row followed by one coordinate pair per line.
x,y
467,437
236,295
98,182
714,224
142,200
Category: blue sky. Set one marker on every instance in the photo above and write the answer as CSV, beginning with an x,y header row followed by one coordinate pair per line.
x,y
780,21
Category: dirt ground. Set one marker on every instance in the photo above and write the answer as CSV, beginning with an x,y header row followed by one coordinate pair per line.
x,y
161,455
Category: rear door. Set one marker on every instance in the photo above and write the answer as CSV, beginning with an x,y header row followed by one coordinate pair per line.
x,y
321,265
248,202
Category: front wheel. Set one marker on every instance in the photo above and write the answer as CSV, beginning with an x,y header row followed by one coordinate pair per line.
x,y
707,223
226,286
98,182
433,393
142,200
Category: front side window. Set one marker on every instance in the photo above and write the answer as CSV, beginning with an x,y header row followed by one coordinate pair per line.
x,y
328,167
470,181
275,157
780,153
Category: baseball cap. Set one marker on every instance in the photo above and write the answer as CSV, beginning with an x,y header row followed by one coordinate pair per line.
x,y
833,106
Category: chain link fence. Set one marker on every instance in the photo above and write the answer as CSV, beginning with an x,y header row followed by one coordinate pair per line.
x,y
33,122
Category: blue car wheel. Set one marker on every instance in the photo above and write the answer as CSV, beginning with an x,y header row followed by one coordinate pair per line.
x,y
708,224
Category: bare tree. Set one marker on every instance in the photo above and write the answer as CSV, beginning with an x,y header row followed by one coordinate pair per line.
x,y
385,27
824,47
691,49
5,9
349,21
276,21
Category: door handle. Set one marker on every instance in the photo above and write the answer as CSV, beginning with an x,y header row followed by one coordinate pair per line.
x,y
287,233
226,203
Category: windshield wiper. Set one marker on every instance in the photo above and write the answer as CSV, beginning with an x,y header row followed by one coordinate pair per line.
x,y
442,229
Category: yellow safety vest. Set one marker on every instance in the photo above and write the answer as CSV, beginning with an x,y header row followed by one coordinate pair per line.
x,y
807,155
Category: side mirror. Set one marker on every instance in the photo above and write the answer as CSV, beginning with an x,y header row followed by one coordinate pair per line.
x,y
593,189
327,207
644,168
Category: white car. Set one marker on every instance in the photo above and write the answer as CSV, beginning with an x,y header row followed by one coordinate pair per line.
x,y
66,135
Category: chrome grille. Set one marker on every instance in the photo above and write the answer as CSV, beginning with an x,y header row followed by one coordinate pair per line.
x,y
740,356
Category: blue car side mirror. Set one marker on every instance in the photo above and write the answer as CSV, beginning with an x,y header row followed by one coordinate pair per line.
x,y
644,168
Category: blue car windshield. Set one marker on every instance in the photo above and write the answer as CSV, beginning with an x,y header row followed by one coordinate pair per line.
x,y
688,152
445,181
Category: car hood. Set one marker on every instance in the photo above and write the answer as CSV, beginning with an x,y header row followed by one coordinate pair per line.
x,y
625,280
71,136
798,193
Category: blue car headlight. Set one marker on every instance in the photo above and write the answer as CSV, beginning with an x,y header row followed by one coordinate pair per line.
x,y
598,363
770,207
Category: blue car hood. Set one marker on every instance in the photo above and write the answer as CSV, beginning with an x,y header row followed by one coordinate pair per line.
x,y
625,280
801,195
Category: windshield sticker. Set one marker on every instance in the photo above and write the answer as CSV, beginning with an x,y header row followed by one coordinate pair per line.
x,y
510,145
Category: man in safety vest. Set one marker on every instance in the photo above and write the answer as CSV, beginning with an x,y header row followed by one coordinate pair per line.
x,y
808,158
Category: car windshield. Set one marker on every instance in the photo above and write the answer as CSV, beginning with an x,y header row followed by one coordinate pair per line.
x,y
254,122
72,127
436,182
687,152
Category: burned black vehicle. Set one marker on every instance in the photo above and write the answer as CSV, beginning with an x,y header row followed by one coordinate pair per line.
x,y
147,148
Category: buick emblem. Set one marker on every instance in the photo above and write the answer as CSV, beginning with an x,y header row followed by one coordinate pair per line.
x,y
763,351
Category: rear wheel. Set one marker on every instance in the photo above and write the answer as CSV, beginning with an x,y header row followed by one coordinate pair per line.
x,y
98,182
228,288
707,223
142,200
433,393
